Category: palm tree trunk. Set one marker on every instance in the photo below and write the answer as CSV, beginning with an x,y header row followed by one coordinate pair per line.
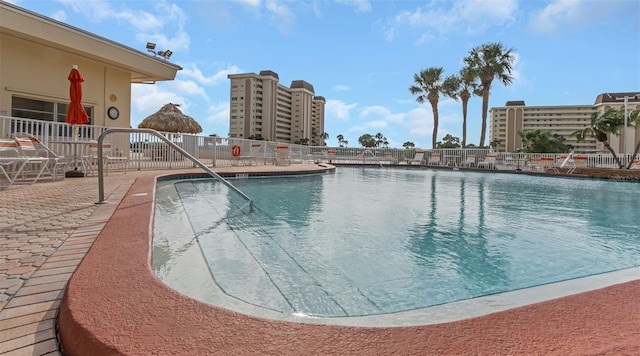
x,y
464,96
433,99
633,156
485,108
615,157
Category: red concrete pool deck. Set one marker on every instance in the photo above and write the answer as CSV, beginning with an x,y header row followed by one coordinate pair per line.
x,y
111,303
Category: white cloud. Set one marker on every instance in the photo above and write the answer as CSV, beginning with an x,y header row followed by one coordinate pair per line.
x,y
374,111
378,124
562,15
250,3
187,87
60,16
381,112
338,110
419,122
448,118
191,70
424,38
146,99
341,88
368,127
283,15
165,30
218,113
471,16
360,5
99,11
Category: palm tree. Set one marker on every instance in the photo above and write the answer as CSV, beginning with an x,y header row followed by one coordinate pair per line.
x,y
488,61
325,137
429,85
379,139
633,118
340,140
468,87
601,125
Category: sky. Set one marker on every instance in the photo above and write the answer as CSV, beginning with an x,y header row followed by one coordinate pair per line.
x,y
361,55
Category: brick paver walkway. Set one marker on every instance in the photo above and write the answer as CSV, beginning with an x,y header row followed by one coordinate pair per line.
x,y
45,230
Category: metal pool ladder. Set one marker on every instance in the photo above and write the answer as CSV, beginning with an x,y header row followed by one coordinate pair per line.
x,y
168,142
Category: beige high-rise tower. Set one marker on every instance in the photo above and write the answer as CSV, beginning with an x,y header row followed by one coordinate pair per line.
x,y
563,120
261,108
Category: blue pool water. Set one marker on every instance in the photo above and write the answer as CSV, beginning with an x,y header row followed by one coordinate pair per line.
x,y
366,241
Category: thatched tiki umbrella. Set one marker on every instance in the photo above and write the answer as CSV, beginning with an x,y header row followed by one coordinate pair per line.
x,y
170,119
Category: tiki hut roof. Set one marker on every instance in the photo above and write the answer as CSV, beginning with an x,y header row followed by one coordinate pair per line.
x,y
170,119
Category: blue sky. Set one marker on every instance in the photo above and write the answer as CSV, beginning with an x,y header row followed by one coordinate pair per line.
x,y
361,55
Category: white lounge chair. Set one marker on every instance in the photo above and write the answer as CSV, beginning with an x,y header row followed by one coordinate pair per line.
x,y
469,161
331,156
535,164
565,160
388,157
282,155
548,164
35,165
108,157
56,164
418,158
434,160
255,153
11,162
489,161
579,161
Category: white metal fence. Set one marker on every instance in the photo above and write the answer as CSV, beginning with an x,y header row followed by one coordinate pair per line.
x,y
148,152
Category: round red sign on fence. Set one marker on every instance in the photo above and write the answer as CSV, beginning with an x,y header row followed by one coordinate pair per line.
x,y
235,150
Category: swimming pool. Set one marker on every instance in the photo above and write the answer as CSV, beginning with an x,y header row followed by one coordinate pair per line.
x,y
367,241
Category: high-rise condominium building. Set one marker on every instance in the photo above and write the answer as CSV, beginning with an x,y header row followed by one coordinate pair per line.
x,y
515,116
262,108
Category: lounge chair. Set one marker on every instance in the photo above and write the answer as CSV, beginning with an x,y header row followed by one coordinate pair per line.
x,y
108,157
548,164
489,161
56,164
330,155
469,161
255,152
579,161
535,164
434,160
388,157
11,162
35,166
282,155
418,158
635,164
565,160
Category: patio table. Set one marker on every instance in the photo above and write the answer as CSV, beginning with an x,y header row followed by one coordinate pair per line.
x,y
76,147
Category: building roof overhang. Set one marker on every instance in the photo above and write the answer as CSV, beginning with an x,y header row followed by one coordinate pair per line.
x,y
44,31
632,97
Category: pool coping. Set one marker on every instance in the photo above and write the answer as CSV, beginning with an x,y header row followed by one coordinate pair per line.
x,y
114,304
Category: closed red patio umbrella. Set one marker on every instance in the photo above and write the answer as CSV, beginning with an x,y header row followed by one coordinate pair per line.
x,y
76,114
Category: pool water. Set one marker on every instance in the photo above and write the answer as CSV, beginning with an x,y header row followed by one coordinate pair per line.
x,y
366,241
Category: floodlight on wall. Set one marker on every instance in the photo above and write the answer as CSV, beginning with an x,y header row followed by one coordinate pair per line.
x,y
165,54
151,47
